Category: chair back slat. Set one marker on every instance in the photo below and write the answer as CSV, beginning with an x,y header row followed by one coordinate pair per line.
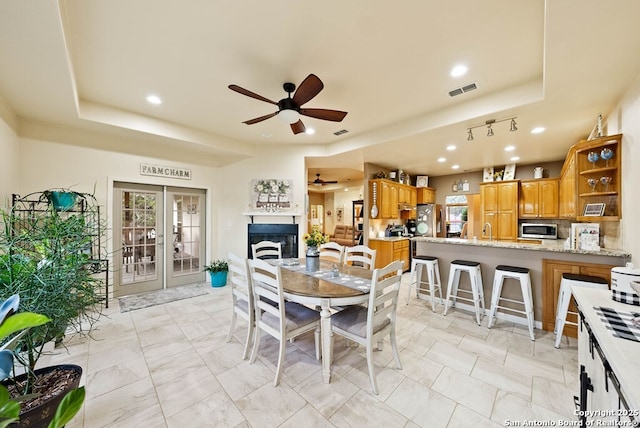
x,y
240,279
383,298
361,254
332,251
267,250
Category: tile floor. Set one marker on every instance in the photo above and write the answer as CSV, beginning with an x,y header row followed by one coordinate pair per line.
x,y
170,366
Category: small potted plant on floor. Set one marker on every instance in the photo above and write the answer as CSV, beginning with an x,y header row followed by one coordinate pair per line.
x,y
218,270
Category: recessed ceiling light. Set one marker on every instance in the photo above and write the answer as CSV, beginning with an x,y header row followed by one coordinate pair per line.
x,y
266,134
459,70
537,130
310,131
455,166
509,148
346,190
442,160
515,158
451,147
154,99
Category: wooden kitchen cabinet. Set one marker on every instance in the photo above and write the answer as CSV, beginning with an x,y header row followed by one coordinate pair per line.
x,y
426,195
567,189
577,171
538,198
406,194
389,251
611,194
499,202
386,198
552,271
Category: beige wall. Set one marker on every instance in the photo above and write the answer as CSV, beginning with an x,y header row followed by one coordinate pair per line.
x,y
281,162
624,120
8,155
46,164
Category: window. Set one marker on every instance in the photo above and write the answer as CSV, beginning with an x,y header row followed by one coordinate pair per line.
x,y
456,213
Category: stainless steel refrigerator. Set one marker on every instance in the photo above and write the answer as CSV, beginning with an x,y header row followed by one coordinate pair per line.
x,y
429,220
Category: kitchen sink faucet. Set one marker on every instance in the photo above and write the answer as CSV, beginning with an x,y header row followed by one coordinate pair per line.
x,y
484,230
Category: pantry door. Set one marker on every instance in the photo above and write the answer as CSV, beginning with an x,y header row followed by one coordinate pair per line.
x,y
159,232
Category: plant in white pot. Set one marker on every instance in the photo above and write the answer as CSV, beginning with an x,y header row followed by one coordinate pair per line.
x,y
218,270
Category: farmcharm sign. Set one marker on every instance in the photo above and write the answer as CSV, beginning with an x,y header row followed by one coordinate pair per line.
x,y
165,171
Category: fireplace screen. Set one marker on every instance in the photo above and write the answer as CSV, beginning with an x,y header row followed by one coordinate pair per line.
x,y
286,234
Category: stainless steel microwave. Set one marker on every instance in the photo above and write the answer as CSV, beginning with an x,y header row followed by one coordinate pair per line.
x,y
539,230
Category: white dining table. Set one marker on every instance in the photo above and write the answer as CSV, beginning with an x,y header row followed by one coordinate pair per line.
x,y
320,288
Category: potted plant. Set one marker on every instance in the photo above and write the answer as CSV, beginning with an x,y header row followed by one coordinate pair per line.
x,y
218,270
14,324
46,257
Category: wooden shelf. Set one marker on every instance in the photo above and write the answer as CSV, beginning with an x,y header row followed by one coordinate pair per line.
x,y
594,194
599,170
597,218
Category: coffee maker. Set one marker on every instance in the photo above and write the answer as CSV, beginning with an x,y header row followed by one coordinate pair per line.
x,y
411,226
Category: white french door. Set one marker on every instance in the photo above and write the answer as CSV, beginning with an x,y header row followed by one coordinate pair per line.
x,y
158,231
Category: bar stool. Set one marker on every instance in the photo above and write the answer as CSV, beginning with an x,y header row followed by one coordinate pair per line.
x,y
433,276
475,277
564,297
522,275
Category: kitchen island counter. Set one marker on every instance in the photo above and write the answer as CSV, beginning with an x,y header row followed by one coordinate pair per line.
x,y
554,246
545,262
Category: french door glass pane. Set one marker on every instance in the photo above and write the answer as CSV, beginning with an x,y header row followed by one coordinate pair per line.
x,y
186,234
139,230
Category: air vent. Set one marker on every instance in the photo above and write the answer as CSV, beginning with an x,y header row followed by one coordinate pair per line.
x,y
340,132
463,90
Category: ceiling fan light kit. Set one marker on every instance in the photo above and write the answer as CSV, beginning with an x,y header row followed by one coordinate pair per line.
x,y
489,124
289,109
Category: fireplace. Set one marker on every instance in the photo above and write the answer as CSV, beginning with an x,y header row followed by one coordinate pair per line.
x,y
286,234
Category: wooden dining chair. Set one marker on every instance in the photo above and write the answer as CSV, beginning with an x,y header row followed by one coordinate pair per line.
x,y
369,325
267,250
283,321
332,251
242,298
361,254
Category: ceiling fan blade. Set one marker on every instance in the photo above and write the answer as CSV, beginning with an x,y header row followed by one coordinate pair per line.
x,y
324,114
248,93
309,88
298,127
260,119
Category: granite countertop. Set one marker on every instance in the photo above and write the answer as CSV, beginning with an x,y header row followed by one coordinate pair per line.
x,y
390,238
556,246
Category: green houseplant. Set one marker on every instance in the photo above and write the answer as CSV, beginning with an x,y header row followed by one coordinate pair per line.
x,y
14,324
47,256
218,270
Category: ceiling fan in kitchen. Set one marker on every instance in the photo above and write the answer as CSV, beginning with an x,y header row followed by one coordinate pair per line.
x,y
289,109
319,182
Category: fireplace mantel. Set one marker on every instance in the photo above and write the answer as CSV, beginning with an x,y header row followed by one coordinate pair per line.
x,y
292,214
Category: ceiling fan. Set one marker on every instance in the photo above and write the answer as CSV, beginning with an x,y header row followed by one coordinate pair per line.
x,y
290,109
319,182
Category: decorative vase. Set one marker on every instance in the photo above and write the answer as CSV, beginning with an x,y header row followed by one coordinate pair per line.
x,y
218,279
263,197
273,197
312,259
